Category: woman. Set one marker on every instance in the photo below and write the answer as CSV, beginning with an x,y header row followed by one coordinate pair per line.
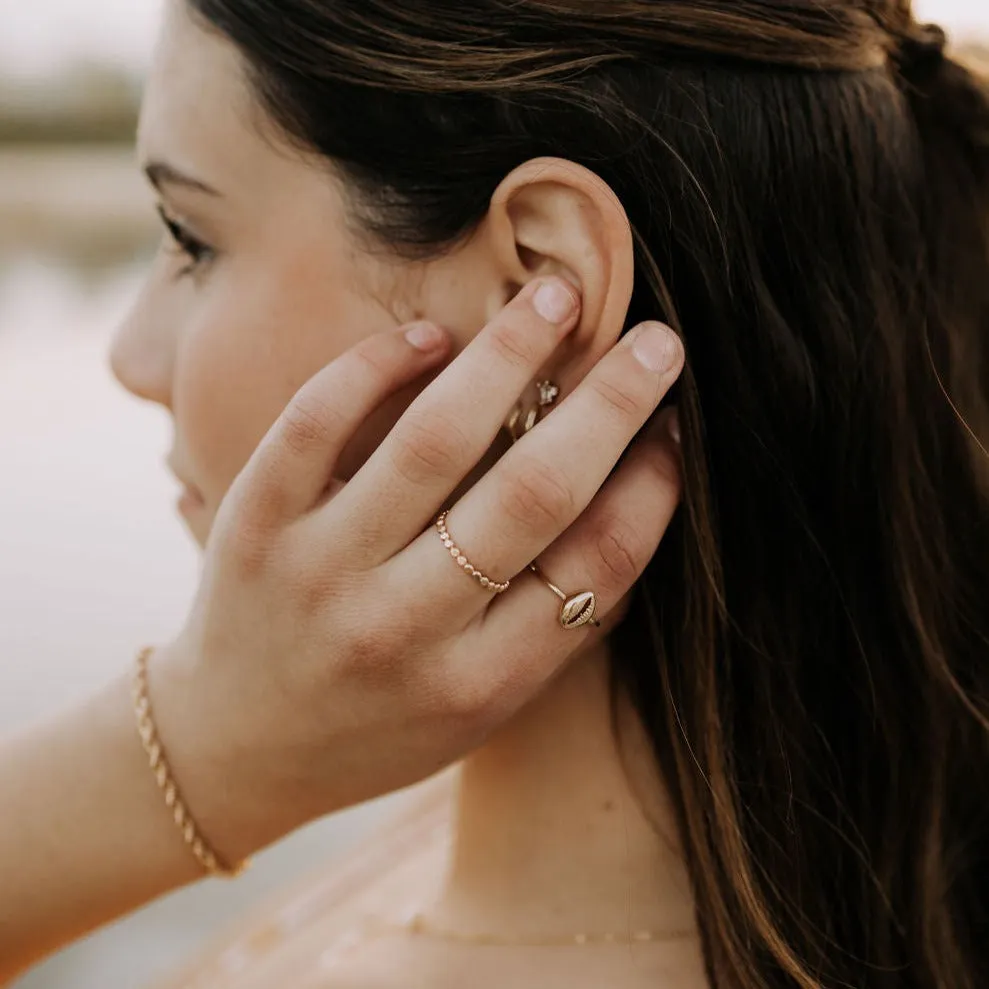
x,y
767,773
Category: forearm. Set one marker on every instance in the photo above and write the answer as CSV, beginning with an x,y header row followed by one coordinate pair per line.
x,y
84,835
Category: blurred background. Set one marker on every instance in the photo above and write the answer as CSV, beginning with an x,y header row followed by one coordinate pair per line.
x,y
93,561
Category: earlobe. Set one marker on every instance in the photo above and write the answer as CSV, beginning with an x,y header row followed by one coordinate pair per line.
x,y
554,217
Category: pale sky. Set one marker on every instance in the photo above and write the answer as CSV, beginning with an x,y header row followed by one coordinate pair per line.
x,y
37,36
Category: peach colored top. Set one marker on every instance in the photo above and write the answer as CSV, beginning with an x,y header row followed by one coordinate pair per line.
x,y
300,939
344,930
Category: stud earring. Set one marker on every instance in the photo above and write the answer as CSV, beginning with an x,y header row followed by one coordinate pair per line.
x,y
523,419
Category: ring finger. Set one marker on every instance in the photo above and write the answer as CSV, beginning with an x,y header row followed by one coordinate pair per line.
x,y
606,549
541,486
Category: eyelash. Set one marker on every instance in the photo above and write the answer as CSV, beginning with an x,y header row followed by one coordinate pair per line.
x,y
195,250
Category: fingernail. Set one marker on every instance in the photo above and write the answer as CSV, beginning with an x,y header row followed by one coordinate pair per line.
x,y
655,347
425,336
554,302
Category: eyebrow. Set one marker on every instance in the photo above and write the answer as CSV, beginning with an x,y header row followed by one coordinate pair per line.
x,y
160,173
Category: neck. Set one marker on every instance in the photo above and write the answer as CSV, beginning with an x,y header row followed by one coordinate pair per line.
x,y
560,830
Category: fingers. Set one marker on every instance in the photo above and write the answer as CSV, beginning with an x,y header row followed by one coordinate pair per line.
x,y
452,424
608,547
605,551
541,486
294,463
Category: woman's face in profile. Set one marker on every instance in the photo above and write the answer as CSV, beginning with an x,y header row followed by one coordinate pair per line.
x,y
259,284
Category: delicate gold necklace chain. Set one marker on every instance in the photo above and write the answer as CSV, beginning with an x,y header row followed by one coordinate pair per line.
x,y
418,926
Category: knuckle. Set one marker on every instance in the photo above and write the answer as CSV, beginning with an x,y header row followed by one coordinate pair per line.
x,y
313,589
372,361
307,423
257,499
477,699
246,548
371,652
537,496
429,446
621,555
619,398
372,655
471,703
464,701
516,342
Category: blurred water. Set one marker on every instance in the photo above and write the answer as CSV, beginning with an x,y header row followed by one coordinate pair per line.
x,y
92,560
93,563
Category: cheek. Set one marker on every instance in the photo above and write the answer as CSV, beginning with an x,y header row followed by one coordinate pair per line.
x,y
247,355
224,400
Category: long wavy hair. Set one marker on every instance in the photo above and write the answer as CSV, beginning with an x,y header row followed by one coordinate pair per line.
x,y
808,187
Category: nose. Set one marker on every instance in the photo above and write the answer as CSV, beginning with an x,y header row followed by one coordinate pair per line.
x,y
142,357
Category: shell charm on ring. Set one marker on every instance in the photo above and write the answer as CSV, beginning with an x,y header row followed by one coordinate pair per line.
x,y
578,610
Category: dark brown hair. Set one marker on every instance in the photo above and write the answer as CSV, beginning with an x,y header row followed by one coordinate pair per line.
x,y
808,186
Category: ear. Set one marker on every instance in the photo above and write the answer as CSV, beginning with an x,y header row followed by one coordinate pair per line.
x,y
552,216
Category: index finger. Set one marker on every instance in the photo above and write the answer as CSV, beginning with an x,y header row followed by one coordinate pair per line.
x,y
293,465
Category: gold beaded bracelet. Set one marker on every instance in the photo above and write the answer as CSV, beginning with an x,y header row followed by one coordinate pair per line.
x,y
200,848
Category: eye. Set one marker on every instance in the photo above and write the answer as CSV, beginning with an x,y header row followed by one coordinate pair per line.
x,y
194,249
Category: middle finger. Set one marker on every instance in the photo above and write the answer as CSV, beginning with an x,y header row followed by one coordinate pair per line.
x,y
541,486
451,425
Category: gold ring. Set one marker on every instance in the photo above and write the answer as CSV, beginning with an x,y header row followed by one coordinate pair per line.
x,y
461,560
577,610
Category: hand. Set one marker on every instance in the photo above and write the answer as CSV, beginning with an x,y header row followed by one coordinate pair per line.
x,y
336,652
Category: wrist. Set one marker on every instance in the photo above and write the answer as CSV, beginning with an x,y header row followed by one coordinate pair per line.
x,y
237,784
